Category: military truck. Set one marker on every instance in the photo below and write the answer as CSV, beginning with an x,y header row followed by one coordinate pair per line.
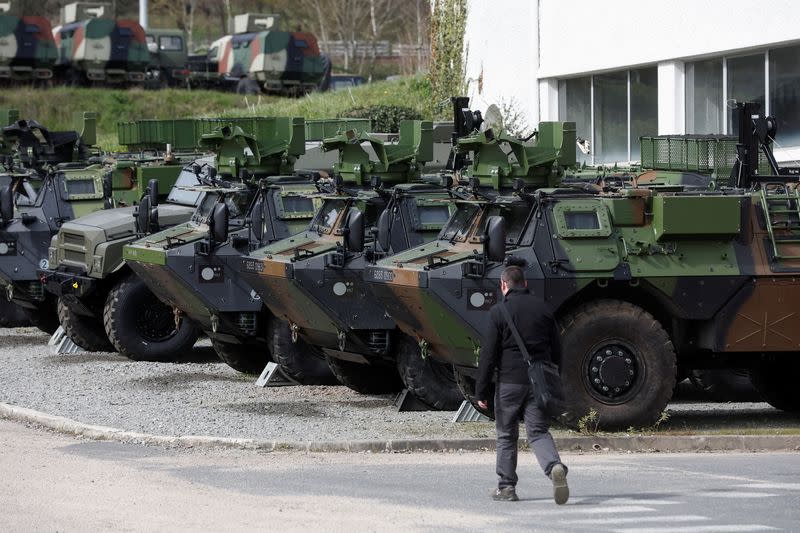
x,y
27,49
642,280
312,282
252,196
93,47
168,58
258,57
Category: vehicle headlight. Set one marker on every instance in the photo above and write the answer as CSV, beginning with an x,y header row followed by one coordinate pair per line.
x,y
3,248
52,255
97,264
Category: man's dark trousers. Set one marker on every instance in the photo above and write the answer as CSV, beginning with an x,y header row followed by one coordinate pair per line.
x,y
512,401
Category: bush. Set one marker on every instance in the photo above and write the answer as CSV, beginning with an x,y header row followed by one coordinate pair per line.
x,y
385,118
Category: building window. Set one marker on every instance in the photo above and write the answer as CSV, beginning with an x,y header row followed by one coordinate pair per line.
x,y
704,99
784,93
611,111
575,104
745,83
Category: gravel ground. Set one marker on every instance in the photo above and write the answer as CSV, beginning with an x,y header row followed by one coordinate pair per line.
x,y
202,396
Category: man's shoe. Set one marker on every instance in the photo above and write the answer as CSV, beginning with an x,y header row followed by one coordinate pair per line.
x,y
560,488
506,494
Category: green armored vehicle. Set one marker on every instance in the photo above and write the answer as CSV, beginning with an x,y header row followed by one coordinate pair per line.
x,y
253,197
312,282
642,280
168,58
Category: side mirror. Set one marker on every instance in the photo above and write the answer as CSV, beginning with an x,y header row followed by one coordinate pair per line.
x,y
384,230
6,203
355,231
152,187
257,220
218,223
494,242
143,215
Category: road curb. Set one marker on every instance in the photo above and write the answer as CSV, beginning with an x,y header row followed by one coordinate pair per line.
x,y
588,443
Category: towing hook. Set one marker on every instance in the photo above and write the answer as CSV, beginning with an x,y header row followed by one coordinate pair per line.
x,y
294,329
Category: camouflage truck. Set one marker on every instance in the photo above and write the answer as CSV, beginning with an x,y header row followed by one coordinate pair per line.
x,y
312,282
27,49
258,57
642,280
93,47
253,197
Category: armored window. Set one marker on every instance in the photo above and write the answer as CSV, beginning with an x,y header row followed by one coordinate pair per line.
x,y
458,228
516,216
300,43
582,220
26,192
170,43
31,28
79,187
182,196
433,216
293,206
327,216
125,32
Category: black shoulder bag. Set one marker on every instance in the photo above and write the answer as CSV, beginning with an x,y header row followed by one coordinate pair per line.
x,y
543,375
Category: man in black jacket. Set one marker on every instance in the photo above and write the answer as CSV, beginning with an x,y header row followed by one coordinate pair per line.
x,y
514,398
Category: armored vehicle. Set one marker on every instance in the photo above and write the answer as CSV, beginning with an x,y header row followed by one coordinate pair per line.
x,y
642,281
94,47
52,177
312,282
27,49
259,56
252,198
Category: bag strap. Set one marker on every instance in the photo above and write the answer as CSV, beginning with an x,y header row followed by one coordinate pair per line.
x,y
515,332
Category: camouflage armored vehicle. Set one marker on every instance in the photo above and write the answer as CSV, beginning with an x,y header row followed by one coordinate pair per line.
x,y
642,280
252,198
312,282
51,177
258,56
27,49
94,47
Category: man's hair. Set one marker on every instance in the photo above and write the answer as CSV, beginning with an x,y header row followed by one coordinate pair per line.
x,y
513,276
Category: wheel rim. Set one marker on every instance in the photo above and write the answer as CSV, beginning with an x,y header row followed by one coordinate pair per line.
x,y
156,321
613,371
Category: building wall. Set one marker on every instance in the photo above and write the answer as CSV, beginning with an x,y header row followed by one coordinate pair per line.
x,y
519,51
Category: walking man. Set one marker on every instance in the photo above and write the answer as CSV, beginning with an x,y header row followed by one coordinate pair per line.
x,y
514,398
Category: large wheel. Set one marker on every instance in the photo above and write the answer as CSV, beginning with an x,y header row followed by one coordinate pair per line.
x,y
12,315
142,327
245,357
776,381
300,361
618,361
725,384
373,378
466,385
429,380
85,331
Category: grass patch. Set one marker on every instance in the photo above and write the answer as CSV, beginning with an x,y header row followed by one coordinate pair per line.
x,y
54,107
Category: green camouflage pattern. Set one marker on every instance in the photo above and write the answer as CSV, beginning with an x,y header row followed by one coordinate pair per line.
x,y
27,48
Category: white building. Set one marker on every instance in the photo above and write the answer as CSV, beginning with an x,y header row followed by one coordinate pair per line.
x,y
625,68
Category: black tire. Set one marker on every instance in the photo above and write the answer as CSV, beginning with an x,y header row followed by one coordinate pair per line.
x,y
431,381
466,385
141,327
246,357
12,315
85,331
725,384
776,381
373,378
300,361
618,361
247,85
44,316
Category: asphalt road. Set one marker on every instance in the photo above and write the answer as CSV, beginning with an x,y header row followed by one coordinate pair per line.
x,y
53,482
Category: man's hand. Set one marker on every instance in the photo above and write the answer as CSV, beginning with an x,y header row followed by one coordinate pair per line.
x,y
483,404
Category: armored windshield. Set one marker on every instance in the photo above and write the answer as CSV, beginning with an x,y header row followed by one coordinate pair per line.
x,y
460,223
327,216
25,191
237,203
179,195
